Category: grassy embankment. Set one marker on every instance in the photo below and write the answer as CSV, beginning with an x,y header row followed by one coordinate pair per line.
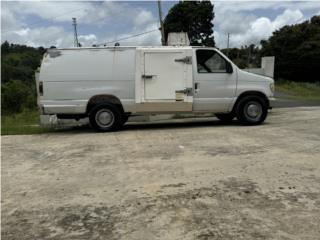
x,y
299,90
28,121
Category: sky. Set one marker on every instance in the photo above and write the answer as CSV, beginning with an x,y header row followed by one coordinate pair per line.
x,y
49,23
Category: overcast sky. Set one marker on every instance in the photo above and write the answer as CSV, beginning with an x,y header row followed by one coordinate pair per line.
x,y
47,23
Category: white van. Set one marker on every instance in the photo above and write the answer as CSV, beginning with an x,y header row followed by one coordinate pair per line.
x,y
110,84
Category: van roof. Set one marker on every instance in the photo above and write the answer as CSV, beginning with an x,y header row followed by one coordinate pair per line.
x,y
123,47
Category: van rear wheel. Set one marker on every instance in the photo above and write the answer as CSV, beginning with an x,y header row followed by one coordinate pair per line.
x,y
105,118
252,110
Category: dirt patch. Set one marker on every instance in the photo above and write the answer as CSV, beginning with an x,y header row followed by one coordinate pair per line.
x,y
233,209
180,180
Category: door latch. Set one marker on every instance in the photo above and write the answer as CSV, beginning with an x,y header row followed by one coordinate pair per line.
x,y
196,87
147,76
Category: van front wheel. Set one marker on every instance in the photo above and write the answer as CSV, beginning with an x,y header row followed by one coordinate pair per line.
x,y
252,110
105,118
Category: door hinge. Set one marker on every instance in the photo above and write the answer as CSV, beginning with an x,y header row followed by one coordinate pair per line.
x,y
186,60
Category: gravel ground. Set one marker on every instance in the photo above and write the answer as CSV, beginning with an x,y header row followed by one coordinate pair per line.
x,y
187,179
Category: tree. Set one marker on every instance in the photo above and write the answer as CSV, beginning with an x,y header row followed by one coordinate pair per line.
x,y
193,17
5,47
244,57
297,51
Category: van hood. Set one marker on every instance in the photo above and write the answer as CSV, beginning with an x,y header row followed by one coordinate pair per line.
x,y
253,77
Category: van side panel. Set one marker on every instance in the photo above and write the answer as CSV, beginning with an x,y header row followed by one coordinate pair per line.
x,y
71,77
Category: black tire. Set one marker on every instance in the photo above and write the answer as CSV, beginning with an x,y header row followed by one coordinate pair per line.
x,y
105,118
252,110
125,118
225,117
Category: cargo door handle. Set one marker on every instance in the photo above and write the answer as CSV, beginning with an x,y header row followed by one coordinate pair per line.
x,y
147,76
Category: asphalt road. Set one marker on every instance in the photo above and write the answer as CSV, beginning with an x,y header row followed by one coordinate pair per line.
x,y
286,103
183,179
284,100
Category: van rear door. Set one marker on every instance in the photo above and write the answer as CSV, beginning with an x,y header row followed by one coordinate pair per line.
x,y
165,79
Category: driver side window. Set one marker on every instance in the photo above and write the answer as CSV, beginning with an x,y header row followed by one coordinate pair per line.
x,y
209,61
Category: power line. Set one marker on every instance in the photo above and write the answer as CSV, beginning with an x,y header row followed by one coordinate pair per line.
x,y
228,44
132,36
39,22
120,39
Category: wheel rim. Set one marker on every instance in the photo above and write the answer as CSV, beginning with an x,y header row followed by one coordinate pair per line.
x,y
104,118
253,111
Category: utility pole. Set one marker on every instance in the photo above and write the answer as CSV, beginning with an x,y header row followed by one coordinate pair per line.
x,y
228,44
163,41
249,56
74,23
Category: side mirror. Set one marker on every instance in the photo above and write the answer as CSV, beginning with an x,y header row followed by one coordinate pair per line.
x,y
229,68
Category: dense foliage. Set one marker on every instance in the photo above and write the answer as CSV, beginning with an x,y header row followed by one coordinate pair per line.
x,y
245,57
193,17
297,51
18,64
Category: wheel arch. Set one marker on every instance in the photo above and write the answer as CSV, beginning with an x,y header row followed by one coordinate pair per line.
x,y
251,93
103,98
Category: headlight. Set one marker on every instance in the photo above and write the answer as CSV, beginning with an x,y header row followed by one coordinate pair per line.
x,y
271,87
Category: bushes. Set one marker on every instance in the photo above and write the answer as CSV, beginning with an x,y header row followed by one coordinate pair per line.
x,y
15,95
18,64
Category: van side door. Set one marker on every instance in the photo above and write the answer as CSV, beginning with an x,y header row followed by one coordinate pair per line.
x,y
215,81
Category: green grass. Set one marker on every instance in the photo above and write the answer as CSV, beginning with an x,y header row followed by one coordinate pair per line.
x,y
299,90
27,122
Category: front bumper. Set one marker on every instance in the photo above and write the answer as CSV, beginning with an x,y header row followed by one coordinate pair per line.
x,y
272,101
